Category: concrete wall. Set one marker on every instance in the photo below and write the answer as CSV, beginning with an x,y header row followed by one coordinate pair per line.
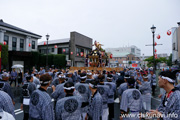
x,y
178,39
79,40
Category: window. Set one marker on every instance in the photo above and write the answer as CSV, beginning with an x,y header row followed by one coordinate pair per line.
x,y
132,50
14,41
52,50
79,50
33,44
174,48
6,39
21,44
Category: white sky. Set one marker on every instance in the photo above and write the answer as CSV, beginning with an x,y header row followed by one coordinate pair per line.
x,y
114,23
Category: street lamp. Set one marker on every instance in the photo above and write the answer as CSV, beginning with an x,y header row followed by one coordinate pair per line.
x,y
47,38
153,29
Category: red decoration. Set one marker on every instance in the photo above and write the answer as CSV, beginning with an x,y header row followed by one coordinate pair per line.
x,y
102,53
89,63
155,43
82,54
158,36
77,54
64,50
155,50
155,55
168,32
55,46
29,44
134,65
111,56
71,53
44,43
4,43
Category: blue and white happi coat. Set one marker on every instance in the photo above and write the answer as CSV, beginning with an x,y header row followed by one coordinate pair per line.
x,y
40,106
69,108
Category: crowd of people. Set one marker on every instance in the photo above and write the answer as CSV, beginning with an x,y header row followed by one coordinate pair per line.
x,y
58,94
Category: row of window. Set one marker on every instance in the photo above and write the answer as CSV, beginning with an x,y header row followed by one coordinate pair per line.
x,y
64,51
14,43
84,51
126,58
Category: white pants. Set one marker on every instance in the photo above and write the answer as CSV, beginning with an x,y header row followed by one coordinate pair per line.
x,y
105,114
83,116
146,101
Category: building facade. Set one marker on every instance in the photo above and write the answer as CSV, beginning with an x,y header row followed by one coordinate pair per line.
x,y
20,43
124,60
176,45
75,48
132,49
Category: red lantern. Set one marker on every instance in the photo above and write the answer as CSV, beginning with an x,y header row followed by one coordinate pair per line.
x,y
155,44
44,43
155,50
89,63
111,56
155,56
77,54
102,53
29,44
4,43
55,46
168,32
82,54
71,53
64,50
158,36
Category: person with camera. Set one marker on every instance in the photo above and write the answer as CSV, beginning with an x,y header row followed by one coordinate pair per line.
x,y
27,90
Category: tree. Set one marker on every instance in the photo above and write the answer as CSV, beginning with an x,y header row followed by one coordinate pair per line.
x,y
4,55
59,60
169,61
158,60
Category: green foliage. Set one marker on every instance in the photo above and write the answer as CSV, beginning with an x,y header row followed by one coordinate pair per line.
x,y
50,59
39,60
4,55
42,60
158,60
130,62
169,61
59,60
35,58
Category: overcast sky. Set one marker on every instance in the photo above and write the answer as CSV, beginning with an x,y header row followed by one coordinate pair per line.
x,y
114,23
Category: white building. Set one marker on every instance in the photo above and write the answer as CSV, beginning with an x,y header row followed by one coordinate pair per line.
x,y
176,44
20,43
132,49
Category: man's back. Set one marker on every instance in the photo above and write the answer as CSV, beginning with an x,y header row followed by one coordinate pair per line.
x,y
6,103
68,108
41,106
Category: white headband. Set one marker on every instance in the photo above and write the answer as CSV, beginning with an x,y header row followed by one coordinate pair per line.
x,y
145,77
89,73
168,79
84,77
109,78
62,76
126,77
44,82
69,88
